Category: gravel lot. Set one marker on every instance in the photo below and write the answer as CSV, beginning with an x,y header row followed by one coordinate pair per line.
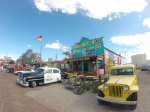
x,y
56,98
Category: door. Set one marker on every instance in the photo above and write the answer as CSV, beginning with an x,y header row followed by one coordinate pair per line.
x,y
48,76
86,66
56,75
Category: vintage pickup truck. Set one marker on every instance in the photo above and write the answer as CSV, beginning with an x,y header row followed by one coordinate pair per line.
x,y
42,75
121,87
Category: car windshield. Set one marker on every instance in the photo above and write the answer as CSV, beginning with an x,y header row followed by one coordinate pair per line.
x,y
125,71
40,71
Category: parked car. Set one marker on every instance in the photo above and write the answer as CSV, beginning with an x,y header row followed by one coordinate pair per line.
x,y
23,71
63,74
42,75
5,66
144,68
15,67
121,87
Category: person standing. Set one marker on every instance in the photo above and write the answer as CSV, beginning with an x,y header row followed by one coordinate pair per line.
x,y
1,66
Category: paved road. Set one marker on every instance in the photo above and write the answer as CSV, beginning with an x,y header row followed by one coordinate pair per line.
x,y
56,98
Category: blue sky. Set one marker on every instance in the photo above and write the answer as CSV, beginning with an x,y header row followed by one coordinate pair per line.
x,y
124,24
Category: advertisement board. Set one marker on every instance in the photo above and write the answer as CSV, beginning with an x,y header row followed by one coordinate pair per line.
x,y
88,47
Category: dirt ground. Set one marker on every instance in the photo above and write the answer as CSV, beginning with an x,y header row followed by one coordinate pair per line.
x,y
56,98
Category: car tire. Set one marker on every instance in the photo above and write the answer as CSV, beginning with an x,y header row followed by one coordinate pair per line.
x,y
33,84
11,70
100,94
134,97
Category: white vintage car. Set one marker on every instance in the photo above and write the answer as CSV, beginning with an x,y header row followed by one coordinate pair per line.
x,y
43,75
23,71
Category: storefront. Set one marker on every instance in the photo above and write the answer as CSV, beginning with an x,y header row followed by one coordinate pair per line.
x,y
91,55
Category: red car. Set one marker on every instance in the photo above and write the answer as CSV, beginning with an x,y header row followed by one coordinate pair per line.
x,y
23,71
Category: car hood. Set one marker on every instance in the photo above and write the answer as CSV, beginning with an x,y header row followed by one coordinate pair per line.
x,y
23,71
120,80
17,71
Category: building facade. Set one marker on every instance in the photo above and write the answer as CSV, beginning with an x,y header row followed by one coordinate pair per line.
x,y
91,55
139,60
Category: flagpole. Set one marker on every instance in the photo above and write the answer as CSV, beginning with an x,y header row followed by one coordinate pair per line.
x,y
39,38
41,50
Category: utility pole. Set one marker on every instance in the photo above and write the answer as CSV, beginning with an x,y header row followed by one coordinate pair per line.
x,y
56,56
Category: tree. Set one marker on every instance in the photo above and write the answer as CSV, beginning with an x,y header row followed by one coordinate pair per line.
x,y
28,57
11,62
109,63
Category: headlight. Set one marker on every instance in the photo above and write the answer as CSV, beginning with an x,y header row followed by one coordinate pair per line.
x,y
126,88
105,86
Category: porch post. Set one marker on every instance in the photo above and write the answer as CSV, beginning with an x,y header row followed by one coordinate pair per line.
x,y
82,65
89,65
97,65
72,65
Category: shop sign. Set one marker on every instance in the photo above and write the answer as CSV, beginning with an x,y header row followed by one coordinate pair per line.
x,y
88,48
88,52
88,43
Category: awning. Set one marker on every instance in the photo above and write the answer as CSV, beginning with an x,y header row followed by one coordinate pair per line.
x,y
86,58
80,58
100,58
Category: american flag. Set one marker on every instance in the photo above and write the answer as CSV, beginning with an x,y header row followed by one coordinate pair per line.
x,y
39,38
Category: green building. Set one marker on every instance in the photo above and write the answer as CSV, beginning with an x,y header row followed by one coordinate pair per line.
x,y
91,55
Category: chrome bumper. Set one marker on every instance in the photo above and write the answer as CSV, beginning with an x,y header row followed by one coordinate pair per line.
x,y
118,101
21,82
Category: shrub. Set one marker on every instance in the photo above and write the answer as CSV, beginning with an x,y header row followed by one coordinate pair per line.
x,y
90,73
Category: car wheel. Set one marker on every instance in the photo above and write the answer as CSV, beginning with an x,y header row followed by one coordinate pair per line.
x,y
133,98
100,94
11,70
33,84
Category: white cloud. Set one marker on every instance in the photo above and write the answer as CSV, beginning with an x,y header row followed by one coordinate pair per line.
x,y
92,8
121,49
139,42
132,40
146,22
28,46
12,57
57,45
1,57
54,45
